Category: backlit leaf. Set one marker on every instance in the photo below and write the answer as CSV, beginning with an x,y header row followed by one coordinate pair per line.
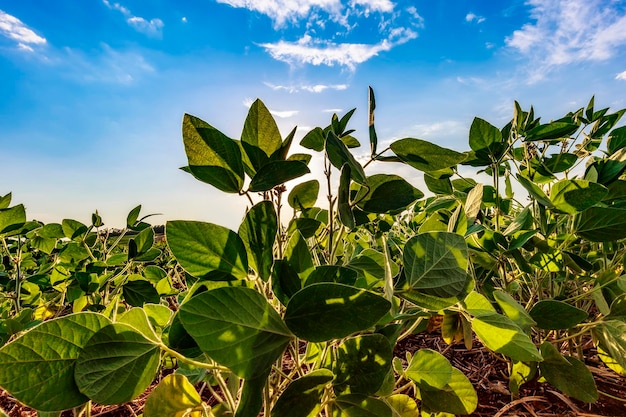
x,y
258,233
173,397
573,196
426,156
502,335
362,364
386,193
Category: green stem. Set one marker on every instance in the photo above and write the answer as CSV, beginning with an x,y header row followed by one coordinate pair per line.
x,y
182,358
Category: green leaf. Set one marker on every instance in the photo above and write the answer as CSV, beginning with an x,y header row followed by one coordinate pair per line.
x,y
258,232
346,217
260,130
560,162
132,217
534,191
5,200
556,315
325,311
12,219
276,173
502,335
173,397
403,405
485,138
386,193
213,157
141,243
298,255
573,196
332,273
237,328
371,106
304,195
303,396
568,374
602,224
457,397
357,405
116,365
285,281
139,292
554,130
436,263
314,139
477,304
38,367
362,364
521,373
207,250
251,397
616,140
426,156
429,369
514,310
338,155
610,337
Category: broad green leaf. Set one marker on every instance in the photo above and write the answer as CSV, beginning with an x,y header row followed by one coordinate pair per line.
x,y
285,281
116,365
237,328
357,405
439,186
251,397
386,193
213,157
436,263
332,273
260,130
362,364
138,319
371,262
314,139
560,162
304,195
141,243
568,374
207,250
477,304
534,191
485,137
73,228
132,217
38,367
12,219
276,173
258,232
521,373
5,200
303,396
514,310
457,397
403,405
325,311
429,369
573,196
502,335
298,255
430,302
426,156
307,227
554,130
610,337
602,224
610,362
338,154
173,397
139,292
616,140
611,168
556,315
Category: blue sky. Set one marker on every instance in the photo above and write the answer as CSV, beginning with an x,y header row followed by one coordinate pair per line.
x,y
92,93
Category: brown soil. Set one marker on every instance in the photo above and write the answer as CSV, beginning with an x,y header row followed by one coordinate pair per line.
x,y
487,372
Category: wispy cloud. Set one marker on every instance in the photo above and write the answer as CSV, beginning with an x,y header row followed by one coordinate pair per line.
x,y
568,31
471,17
317,88
283,114
152,27
13,28
621,76
325,29
308,50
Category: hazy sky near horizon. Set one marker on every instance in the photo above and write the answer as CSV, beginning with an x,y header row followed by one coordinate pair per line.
x,y
92,93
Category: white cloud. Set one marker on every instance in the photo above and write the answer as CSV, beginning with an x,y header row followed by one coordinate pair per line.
x,y
568,31
320,52
471,17
332,110
317,88
282,11
448,128
621,76
152,27
13,28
